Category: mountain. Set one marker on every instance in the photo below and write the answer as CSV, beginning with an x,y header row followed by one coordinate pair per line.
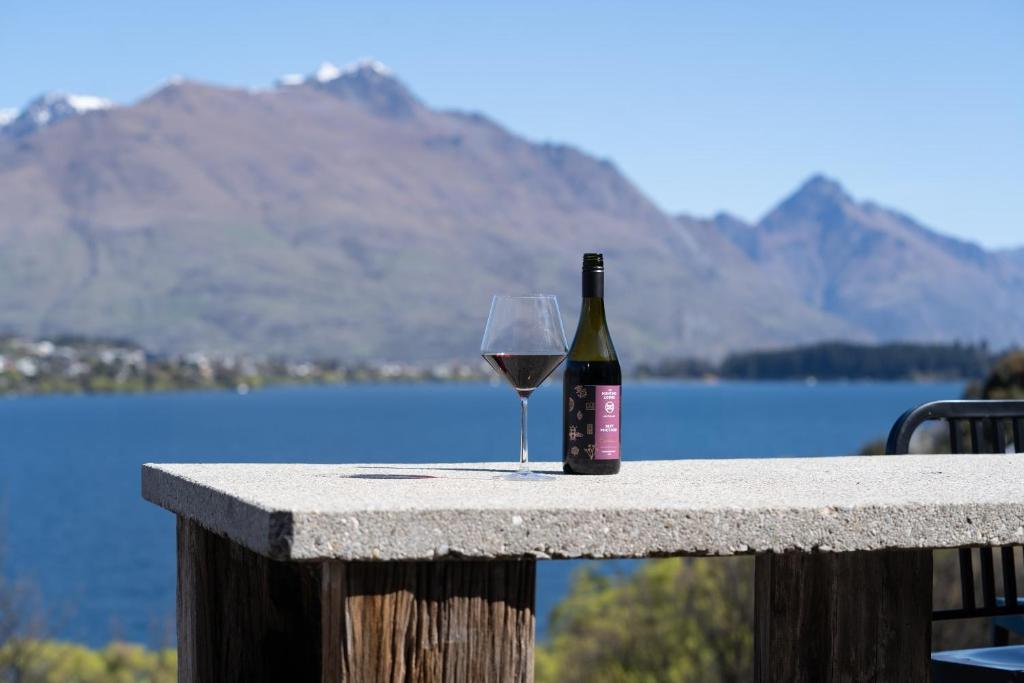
x,y
883,271
338,215
1013,259
48,109
371,84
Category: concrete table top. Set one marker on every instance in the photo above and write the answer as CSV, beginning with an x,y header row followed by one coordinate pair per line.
x,y
652,508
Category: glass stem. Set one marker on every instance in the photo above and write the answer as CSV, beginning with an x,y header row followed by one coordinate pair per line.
x,y
524,451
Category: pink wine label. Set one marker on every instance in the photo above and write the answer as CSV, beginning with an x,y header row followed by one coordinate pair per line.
x,y
593,422
606,440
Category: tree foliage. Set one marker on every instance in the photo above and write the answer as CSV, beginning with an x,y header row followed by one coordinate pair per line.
x,y
1006,379
838,360
679,619
48,661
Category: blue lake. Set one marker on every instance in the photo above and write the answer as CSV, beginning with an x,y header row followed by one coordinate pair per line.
x,y
103,560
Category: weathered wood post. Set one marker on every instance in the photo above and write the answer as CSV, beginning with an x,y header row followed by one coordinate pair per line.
x,y
428,621
853,616
243,617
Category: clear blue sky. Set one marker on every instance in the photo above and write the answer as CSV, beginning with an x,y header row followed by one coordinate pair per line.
x,y
706,106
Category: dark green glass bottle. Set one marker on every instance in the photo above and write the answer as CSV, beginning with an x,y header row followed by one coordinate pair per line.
x,y
592,385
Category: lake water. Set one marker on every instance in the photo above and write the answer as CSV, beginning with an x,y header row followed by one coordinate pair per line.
x,y
103,559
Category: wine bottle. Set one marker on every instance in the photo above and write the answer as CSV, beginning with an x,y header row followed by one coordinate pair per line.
x,y
592,385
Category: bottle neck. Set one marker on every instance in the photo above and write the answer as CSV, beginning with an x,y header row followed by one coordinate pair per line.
x,y
593,284
592,341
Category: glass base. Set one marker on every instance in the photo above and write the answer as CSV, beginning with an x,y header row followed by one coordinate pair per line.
x,y
525,475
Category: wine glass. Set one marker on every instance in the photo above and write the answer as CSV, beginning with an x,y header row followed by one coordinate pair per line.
x,y
524,342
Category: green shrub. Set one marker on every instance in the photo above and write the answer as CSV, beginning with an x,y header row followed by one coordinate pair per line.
x,y
679,619
52,661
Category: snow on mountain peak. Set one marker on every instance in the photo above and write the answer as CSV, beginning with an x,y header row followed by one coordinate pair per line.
x,y
54,106
367,64
326,73
329,72
50,108
7,115
84,103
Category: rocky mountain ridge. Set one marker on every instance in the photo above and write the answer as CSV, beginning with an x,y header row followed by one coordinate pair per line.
x,y
338,215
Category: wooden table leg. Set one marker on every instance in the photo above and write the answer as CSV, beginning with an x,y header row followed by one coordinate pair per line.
x,y
855,616
241,616
448,621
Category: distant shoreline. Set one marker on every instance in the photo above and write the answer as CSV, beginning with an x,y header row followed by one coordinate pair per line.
x,y
836,360
76,366
398,382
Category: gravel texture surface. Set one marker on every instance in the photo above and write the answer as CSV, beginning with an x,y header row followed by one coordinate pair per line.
x,y
652,508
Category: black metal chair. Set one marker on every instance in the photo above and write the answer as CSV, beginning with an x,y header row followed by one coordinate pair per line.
x,y
987,426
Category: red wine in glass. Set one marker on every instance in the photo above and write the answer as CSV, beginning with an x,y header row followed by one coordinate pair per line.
x,y
524,372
